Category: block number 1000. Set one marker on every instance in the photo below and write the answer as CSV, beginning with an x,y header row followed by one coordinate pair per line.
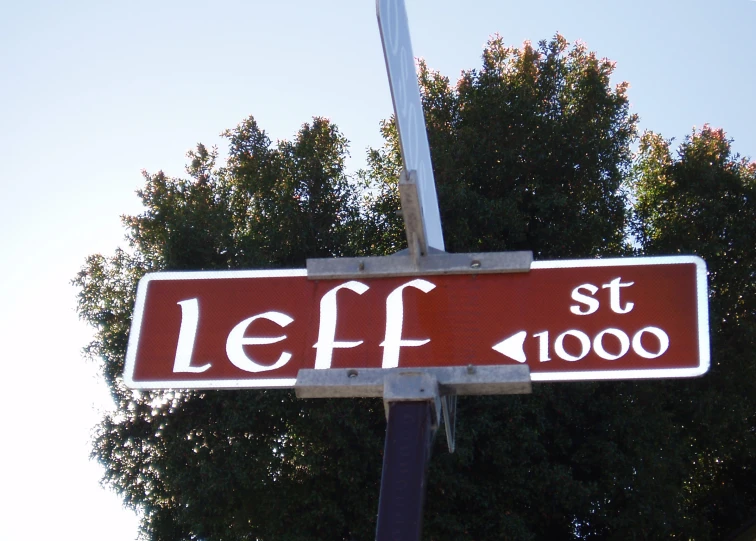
x,y
588,304
597,344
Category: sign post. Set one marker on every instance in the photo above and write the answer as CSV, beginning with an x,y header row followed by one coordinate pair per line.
x,y
410,121
409,435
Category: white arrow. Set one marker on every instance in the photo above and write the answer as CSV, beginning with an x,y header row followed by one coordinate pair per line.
x,y
512,347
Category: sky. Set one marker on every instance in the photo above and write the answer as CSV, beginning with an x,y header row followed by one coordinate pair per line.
x,y
92,93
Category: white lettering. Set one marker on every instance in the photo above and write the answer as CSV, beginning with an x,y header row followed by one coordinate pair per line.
x,y
543,346
187,336
598,345
394,320
585,345
614,296
643,352
327,330
591,304
236,342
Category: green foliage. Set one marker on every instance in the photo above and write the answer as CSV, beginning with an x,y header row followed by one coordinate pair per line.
x,y
702,202
242,215
532,151
529,152
236,465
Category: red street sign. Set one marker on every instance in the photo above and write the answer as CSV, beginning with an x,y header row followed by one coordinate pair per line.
x,y
568,320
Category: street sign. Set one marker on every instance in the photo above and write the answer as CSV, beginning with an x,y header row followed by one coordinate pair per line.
x,y
408,110
566,320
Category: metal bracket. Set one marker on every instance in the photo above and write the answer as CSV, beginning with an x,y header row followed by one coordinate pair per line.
x,y
449,411
409,386
412,212
369,382
433,263
406,386
418,258
441,385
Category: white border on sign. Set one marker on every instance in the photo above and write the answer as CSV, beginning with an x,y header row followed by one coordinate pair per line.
x,y
586,375
702,302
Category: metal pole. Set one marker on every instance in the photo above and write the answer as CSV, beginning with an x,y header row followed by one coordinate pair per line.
x,y
414,404
409,433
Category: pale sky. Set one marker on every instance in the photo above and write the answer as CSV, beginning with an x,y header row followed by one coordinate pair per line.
x,y
92,92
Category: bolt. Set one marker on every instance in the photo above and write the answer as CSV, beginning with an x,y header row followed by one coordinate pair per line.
x,y
475,264
352,373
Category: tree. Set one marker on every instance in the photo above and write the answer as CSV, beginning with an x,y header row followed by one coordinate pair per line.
x,y
530,152
235,465
702,202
